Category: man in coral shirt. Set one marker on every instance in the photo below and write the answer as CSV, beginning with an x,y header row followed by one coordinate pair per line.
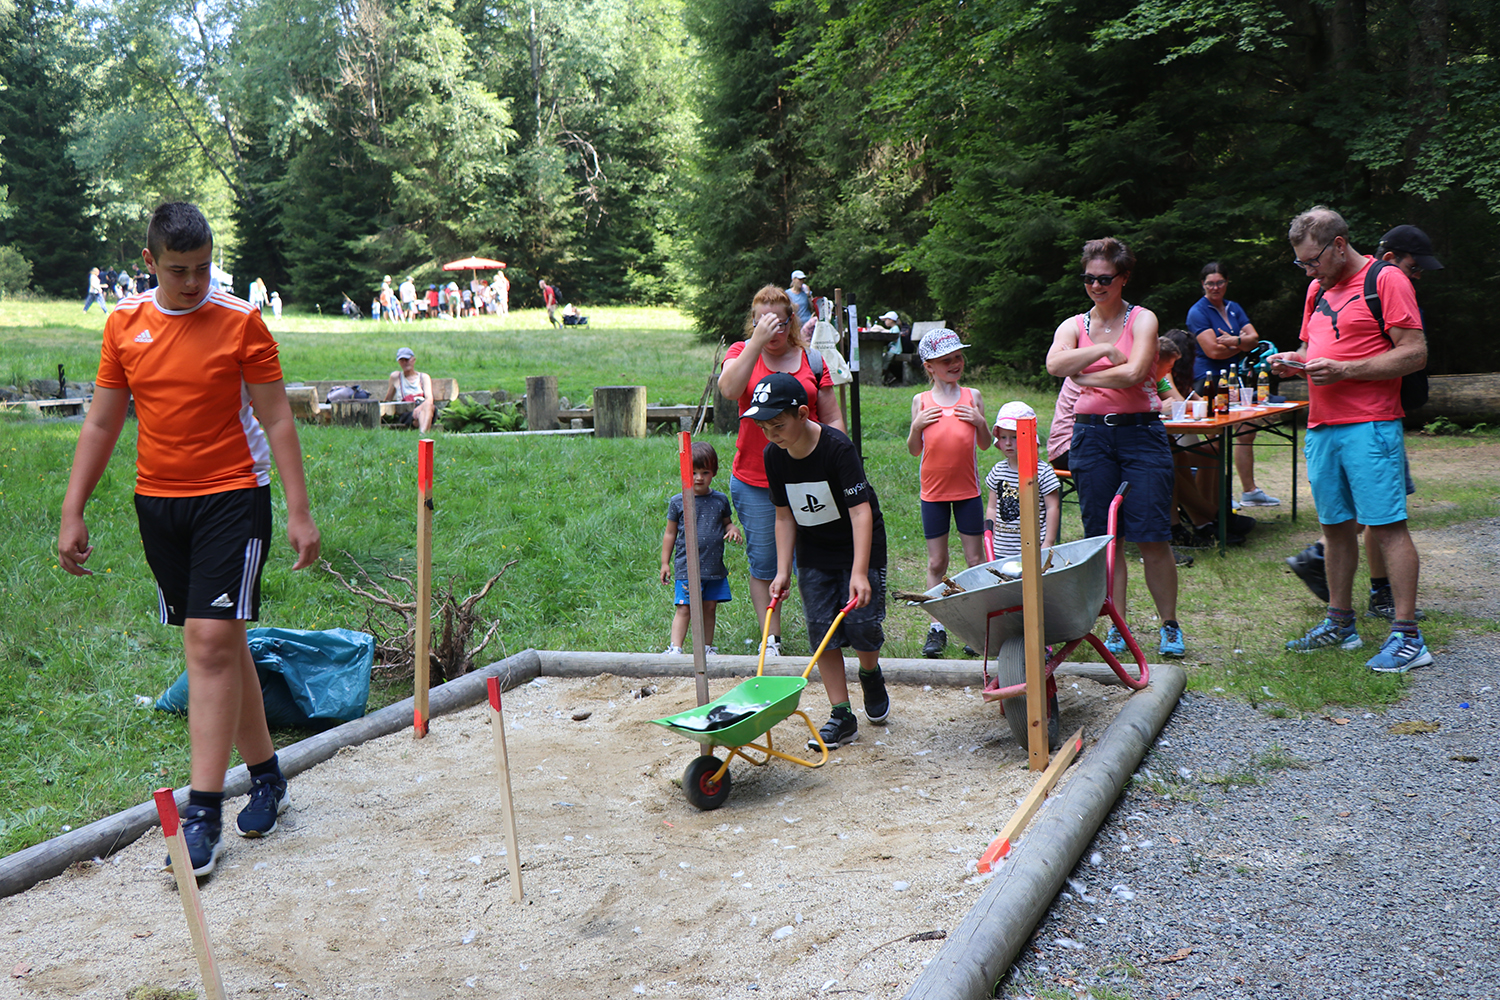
x,y
212,413
1355,449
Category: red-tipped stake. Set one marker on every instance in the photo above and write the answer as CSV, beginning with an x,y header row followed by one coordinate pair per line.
x,y
502,764
187,890
423,641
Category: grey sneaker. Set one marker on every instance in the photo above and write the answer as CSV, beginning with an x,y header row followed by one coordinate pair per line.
x,y
937,641
710,650
840,728
1258,498
1400,653
1383,606
1326,635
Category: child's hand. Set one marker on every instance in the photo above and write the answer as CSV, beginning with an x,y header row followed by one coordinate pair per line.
x,y
970,414
666,573
733,534
926,418
859,589
781,585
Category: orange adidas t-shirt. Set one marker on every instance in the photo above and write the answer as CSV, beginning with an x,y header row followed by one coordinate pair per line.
x,y
187,371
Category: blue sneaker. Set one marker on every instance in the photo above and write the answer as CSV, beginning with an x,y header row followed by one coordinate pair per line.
x,y
1326,635
1114,641
268,800
201,829
1171,642
1400,653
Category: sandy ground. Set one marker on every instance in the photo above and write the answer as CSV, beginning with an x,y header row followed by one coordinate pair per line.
x,y
388,876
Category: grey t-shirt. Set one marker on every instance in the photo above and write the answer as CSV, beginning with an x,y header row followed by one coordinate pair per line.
x,y
711,511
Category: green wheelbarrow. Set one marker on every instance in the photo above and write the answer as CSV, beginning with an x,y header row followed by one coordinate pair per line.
x,y
740,716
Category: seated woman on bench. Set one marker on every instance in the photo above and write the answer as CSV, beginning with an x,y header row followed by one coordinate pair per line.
x,y
411,386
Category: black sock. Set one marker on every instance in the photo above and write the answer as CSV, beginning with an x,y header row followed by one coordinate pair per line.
x,y
271,766
1379,582
206,800
1171,623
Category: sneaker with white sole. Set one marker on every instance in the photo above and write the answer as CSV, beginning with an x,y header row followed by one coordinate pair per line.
x,y
1172,643
672,651
201,828
710,650
1326,635
269,798
841,728
1400,653
1258,498
773,646
877,700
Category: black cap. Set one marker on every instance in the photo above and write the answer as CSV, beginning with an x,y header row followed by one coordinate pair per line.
x,y
774,394
1411,240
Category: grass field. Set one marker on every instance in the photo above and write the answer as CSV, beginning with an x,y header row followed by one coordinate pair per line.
x,y
583,518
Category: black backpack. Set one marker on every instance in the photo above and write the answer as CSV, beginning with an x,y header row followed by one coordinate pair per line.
x,y
1414,385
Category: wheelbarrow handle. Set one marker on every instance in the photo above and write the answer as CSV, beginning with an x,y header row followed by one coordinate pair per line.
x,y
765,634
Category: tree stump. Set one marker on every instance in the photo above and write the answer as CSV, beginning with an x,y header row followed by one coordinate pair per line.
x,y
726,413
357,413
620,411
541,402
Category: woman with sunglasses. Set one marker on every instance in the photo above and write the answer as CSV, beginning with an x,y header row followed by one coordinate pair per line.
x,y
1110,352
773,343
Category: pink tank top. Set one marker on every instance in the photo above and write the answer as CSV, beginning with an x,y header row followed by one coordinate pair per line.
x,y
950,465
1140,398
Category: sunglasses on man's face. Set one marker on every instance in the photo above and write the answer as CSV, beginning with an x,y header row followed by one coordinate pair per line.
x,y
1102,280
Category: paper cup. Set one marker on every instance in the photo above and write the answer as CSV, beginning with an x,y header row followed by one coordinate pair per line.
x,y
1179,410
1200,409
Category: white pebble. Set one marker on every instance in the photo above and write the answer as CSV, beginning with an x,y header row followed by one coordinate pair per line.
x,y
738,874
782,932
1070,944
797,919
683,864
638,988
1122,891
261,864
792,819
828,985
900,886
476,859
469,937
635,930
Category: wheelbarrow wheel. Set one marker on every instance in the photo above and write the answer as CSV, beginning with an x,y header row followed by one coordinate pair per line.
x,y
702,791
1010,668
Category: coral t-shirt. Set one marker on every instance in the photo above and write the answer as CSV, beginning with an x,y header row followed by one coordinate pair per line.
x,y
749,450
187,371
1340,326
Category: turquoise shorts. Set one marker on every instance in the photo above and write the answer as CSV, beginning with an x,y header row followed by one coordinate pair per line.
x,y
1357,472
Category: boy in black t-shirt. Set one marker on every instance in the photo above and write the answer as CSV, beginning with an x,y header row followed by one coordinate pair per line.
x,y
827,511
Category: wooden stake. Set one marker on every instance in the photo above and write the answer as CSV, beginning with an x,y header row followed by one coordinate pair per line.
x,y
421,655
502,764
1031,594
187,890
1000,847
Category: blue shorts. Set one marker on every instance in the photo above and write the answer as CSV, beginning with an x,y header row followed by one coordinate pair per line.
x,y
758,521
713,590
824,592
1102,457
1357,472
968,517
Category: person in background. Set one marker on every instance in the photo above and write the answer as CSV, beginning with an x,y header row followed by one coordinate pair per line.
x,y
501,288
1003,509
276,304
714,528
1354,437
1110,351
1224,335
408,294
549,299
96,292
801,297
948,428
258,295
771,344
411,386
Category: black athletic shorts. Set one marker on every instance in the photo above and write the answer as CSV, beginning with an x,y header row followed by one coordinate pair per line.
x,y
207,552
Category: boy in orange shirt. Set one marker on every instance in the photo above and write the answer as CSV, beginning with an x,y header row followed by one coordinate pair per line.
x,y
211,412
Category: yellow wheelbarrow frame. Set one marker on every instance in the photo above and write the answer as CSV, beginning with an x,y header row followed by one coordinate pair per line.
x,y
739,716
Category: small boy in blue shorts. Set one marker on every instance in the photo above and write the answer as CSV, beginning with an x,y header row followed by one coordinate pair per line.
x,y
715,526
828,516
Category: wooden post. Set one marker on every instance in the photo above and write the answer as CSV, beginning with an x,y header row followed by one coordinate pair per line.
x,y
541,402
187,890
620,411
502,765
357,413
726,412
694,572
421,654
1031,594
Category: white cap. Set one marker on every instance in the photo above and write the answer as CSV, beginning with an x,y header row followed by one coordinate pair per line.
x,y
798,274
1011,412
891,315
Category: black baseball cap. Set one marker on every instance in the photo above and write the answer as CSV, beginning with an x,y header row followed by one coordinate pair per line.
x,y
774,394
1411,240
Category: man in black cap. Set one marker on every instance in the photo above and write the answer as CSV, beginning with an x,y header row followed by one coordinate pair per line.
x,y
1409,249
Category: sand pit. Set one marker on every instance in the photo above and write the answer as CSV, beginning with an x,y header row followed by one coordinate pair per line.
x,y
388,876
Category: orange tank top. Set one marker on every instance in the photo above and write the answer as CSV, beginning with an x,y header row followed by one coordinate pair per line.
x,y
950,465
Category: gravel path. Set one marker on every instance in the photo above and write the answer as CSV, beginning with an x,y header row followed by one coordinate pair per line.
x,y
1296,858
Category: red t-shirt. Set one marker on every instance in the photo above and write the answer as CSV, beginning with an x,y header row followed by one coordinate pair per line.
x,y
1341,327
749,450
187,371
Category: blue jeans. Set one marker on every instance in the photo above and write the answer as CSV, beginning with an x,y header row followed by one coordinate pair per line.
x,y
757,516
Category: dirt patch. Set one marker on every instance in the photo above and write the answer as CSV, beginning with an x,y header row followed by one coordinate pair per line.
x,y
388,876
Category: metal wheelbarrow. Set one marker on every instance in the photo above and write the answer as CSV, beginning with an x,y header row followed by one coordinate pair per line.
x,y
735,719
987,613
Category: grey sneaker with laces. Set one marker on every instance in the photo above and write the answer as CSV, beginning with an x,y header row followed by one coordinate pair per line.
x,y
840,728
1326,635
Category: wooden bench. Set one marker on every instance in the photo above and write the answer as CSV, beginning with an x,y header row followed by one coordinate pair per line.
x,y
680,417
309,400
71,407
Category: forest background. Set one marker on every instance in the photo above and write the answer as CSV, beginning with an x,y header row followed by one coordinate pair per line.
x,y
940,157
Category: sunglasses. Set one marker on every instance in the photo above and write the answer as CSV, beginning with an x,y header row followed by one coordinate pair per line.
x,y
1102,280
